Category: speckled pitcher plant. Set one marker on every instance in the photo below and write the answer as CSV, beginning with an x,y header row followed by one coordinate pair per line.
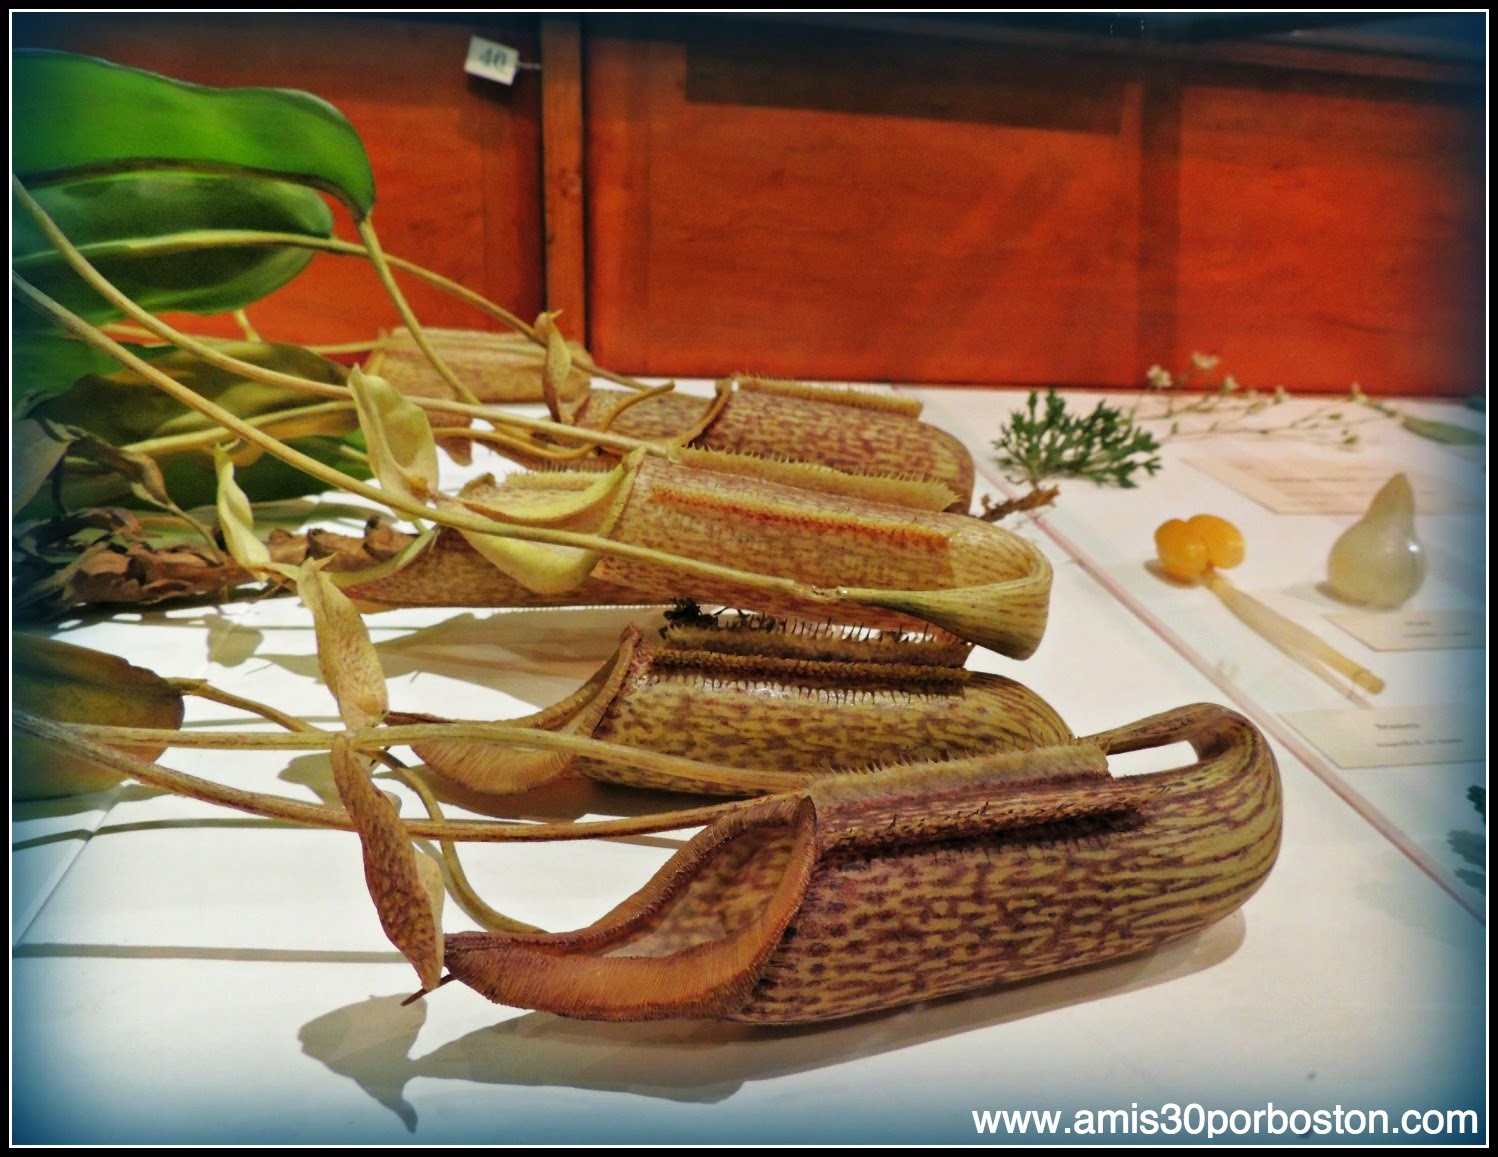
x,y
1007,851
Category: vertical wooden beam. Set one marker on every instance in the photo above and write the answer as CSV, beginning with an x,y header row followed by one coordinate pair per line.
x,y
563,174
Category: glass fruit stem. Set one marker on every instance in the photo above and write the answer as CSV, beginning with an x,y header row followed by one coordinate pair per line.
x,y
1297,642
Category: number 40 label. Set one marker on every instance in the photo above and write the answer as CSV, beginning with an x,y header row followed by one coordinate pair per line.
x,y
491,60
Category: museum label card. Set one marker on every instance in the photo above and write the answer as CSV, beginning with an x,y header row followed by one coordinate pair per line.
x,y
1304,485
1414,630
1394,736
491,60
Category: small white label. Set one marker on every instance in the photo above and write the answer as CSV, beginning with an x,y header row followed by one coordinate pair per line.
x,y
491,60
1289,484
1394,736
1414,630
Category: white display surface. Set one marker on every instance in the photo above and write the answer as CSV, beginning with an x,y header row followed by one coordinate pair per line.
x,y
183,974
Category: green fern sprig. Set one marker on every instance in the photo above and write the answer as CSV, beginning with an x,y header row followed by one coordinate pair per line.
x,y
1105,445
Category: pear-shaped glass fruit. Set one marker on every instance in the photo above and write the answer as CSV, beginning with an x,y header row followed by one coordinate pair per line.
x,y
1378,562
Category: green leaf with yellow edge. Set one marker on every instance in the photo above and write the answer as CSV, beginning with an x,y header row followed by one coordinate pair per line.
x,y
45,362
267,479
152,235
124,408
76,685
78,116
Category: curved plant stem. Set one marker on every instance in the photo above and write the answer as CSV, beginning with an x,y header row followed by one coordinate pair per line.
x,y
496,438
387,279
119,330
205,690
376,739
409,507
188,242
213,435
458,884
208,351
642,396
67,738
348,347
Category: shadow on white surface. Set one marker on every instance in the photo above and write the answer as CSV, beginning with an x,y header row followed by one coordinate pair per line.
x,y
371,1042
40,810
569,797
534,657
479,644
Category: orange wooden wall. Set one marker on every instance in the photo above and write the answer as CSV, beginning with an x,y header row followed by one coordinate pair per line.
x,y
835,203
706,195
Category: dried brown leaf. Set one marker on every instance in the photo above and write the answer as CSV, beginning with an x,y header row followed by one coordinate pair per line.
x,y
139,470
391,869
1037,497
76,685
350,667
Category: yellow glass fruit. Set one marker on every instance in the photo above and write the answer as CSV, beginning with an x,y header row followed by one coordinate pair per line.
x,y
1224,540
1183,552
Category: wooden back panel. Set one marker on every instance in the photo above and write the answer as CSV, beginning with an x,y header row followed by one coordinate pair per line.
x,y
832,203
839,203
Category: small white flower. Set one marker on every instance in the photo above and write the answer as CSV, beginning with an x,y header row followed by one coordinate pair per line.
x,y
1229,383
1159,377
1205,361
1357,392
1280,395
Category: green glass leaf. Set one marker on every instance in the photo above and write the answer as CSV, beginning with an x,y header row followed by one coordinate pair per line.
x,y
75,116
123,409
45,362
145,232
1442,431
190,481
